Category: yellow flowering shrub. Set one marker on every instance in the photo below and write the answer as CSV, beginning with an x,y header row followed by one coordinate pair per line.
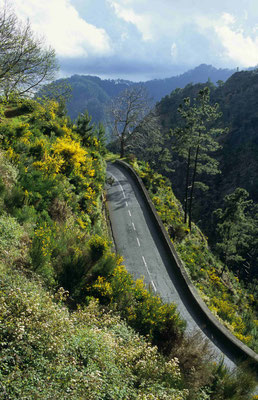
x,y
51,353
70,151
142,309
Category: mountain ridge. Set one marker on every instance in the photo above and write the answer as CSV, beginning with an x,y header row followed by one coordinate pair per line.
x,y
92,93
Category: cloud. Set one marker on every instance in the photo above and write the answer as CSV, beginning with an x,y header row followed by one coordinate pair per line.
x,y
63,28
141,21
241,48
174,50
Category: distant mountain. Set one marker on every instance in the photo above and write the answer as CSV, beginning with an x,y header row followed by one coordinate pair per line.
x,y
159,88
93,94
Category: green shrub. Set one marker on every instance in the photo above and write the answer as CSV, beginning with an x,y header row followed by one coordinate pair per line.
x,y
48,353
11,233
143,310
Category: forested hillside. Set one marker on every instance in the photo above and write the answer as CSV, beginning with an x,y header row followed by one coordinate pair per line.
x,y
237,165
93,94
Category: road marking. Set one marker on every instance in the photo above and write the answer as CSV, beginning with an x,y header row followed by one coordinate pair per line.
x,y
121,187
138,241
146,266
154,287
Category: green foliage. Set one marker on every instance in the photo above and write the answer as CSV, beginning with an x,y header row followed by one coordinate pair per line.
x,y
236,225
84,127
48,353
238,159
56,180
25,60
143,310
225,295
195,141
52,226
11,234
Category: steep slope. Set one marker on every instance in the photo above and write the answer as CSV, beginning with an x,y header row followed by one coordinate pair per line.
x,y
92,93
238,156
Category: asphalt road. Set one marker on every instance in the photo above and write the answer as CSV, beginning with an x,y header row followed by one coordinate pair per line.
x,y
144,255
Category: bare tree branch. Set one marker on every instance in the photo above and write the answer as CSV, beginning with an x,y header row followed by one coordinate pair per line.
x,y
25,61
126,111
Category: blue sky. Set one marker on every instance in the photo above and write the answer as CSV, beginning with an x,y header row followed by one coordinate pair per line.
x,y
145,39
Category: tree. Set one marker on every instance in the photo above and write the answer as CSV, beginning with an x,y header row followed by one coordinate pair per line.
x,y
127,110
25,62
84,127
60,91
194,141
87,131
150,145
235,229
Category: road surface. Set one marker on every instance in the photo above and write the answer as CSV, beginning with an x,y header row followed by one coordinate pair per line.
x,y
137,240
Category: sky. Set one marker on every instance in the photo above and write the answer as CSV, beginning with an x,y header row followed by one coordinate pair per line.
x,y
145,39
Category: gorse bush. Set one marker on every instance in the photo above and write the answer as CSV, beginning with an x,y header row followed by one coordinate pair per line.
x,y
56,180
143,310
47,353
53,230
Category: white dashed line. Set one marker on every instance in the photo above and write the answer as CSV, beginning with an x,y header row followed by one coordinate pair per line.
x,y
146,266
121,187
154,287
138,241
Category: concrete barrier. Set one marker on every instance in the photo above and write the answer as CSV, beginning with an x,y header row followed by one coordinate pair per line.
x,y
240,351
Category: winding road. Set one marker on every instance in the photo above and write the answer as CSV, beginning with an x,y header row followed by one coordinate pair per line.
x,y
137,240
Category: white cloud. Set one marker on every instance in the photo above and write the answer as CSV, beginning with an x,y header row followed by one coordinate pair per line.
x,y
174,50
241,48
141,21
228,19
63,28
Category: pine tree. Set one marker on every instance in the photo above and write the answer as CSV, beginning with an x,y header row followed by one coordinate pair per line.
x,y
194,141
234,228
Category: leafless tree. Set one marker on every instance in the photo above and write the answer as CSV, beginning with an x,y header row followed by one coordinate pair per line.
x,y
25,61
127,110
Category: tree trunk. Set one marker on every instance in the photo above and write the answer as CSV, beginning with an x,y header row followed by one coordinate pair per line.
x,y
187,184
122,148
192,188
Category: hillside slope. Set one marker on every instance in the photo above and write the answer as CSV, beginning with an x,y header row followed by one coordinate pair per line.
x,y
57,267
92,93
238,156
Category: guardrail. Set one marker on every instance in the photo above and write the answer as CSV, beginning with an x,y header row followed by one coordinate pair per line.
x,y
221,334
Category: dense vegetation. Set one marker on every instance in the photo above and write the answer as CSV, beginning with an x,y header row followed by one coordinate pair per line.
x,y
225,295
74,323
66,302
237,162
94,94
